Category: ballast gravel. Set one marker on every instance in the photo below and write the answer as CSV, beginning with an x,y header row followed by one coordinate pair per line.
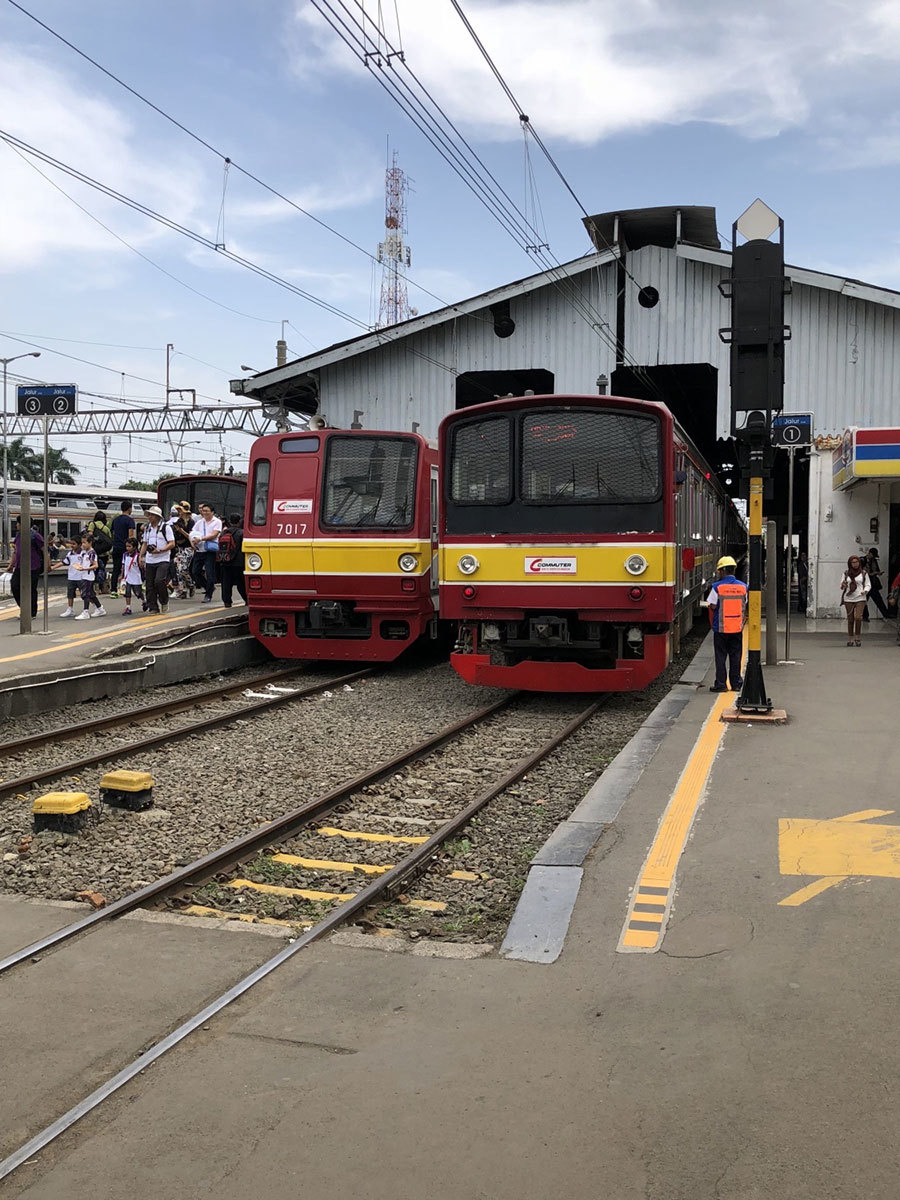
x,y
212,787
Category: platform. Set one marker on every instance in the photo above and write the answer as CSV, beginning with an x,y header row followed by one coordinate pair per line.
x,y
118,653
752,1051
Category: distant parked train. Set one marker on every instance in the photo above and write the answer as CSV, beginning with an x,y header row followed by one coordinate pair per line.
x,y
577,536
226,493
340,538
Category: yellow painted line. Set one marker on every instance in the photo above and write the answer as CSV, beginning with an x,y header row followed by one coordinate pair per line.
x,y
838,848
812,889
308,894
651,902
82,640
202,910
329,864
795,899
330,831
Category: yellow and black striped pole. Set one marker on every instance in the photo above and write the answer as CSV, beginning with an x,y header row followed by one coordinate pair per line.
x,y
753,698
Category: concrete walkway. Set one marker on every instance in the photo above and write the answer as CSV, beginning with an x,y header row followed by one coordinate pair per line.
x,y
753,1055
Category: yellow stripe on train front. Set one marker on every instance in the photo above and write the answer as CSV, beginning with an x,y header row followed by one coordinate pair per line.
x,y
333,556
541,562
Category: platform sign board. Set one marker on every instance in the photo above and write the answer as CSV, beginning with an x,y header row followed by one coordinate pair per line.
x,y
792,430
49,400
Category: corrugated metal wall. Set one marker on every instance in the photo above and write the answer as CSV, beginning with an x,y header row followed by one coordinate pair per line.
x,y
843,362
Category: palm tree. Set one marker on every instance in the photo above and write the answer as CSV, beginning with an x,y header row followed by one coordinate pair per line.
x,y
22,462
59,469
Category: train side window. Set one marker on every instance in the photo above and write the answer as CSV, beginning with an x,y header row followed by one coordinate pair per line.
x,y
262,473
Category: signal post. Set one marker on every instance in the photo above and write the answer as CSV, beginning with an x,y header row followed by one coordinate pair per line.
x,y
757,334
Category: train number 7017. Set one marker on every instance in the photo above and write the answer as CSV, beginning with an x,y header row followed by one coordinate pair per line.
x,y
291,529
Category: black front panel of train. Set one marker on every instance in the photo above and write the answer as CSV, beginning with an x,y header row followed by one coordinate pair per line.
x,y
580,471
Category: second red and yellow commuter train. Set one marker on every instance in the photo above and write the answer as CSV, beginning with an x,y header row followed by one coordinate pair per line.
x,y
576,536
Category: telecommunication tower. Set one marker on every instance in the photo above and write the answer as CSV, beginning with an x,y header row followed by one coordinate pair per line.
x,y
393,253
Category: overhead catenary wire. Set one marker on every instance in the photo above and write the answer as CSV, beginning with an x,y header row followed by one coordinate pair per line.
x,y
227,159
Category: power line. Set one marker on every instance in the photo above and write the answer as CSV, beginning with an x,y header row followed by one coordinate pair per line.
x,y
226,159
134,249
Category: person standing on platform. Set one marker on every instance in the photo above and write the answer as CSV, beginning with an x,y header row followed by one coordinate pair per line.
x,y
122,529
184,551
205,540
873,568
87,561
231,559
157,542
102,541
37,565
727,603
131,574
72,563
854,590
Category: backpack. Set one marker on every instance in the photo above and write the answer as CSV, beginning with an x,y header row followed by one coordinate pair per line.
x,y
101,540
227,551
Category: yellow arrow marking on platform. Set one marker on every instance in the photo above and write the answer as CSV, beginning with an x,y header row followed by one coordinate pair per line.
x,y
836,849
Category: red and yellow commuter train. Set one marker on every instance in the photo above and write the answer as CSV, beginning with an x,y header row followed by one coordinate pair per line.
x,y
577,537
340,543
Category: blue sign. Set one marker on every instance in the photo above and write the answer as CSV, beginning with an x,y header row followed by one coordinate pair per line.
x,y
47,400
792,429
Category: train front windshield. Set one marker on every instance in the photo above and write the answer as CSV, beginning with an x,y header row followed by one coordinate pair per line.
x,y
370,483
513,473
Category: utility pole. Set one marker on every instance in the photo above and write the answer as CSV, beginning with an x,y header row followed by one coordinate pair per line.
x,y
106,441
757,334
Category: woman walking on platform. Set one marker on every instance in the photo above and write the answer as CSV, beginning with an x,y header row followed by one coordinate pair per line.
x,y
855,587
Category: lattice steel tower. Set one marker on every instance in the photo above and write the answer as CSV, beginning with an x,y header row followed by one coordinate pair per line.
x,y
393,253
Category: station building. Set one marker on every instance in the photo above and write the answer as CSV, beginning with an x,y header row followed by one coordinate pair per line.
x,y
641,316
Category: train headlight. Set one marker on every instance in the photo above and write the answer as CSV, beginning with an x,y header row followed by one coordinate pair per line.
x,y
254,562
468,564
635,564
407,562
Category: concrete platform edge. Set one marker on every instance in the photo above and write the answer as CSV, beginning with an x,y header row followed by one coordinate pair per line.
x,y
45,690
540,922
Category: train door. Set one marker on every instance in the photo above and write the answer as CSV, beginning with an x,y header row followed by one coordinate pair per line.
x,y
434,494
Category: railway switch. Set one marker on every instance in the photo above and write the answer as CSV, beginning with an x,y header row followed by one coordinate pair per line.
x,y
127,789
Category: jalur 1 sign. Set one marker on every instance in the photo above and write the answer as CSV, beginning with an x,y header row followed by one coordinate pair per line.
x,y
50,400
792,429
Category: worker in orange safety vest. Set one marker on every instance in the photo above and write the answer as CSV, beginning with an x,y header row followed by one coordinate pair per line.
x,y
727,603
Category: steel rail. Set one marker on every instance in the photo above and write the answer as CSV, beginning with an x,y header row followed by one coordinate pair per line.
x,y
409,866
173,735
250,843
163,708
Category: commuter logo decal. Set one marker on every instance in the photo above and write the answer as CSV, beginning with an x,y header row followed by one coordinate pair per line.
x,y
292,506
543,565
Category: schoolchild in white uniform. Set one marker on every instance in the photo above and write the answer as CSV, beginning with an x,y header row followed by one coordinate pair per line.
x,y
131,573
72,562
87,561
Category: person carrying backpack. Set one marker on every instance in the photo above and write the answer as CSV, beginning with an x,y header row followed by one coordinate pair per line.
x,y
230,557
102,544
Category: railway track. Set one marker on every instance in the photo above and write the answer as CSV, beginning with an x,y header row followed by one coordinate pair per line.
x,y
384,879
159,711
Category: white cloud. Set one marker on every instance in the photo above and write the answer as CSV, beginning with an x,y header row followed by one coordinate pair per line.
x,y
587,69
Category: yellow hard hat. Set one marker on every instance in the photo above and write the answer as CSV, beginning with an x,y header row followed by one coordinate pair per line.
x,y
725,561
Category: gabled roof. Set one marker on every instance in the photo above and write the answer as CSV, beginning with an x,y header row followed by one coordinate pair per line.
x,y
392,333
295,380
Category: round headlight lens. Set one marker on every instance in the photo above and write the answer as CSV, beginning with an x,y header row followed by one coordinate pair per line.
x,y
254,562
468,564
635,564
407,562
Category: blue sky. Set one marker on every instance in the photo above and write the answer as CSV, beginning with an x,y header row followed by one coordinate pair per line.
x,y
683,102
